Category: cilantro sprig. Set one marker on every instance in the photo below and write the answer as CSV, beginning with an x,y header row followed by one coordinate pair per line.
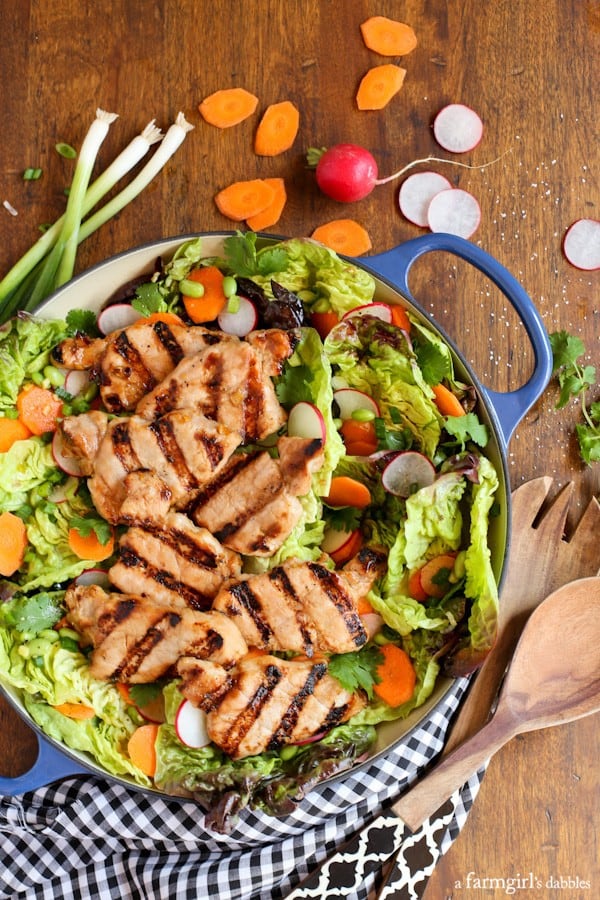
x,y
89,523
574,380
357,670
245,260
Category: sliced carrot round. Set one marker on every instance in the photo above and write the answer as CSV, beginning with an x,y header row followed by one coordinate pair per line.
x,y
277,129
434,575
355,432
76,710
415,588
323,322
142,748
346,491
244,199
168,318
397,676
11,431
447,402
13,542
387,37
271,214
228,107
378,85
344,236
90,547
213,301
39,409
400,317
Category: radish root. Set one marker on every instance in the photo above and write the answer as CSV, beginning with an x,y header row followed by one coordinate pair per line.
x,y
437,159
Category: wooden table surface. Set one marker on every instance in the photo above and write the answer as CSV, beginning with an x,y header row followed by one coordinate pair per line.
x,y
531,70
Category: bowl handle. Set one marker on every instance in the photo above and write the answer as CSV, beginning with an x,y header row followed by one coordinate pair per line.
x,y
510,406
50,765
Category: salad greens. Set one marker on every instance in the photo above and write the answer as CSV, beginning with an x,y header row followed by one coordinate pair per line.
x,y
449,633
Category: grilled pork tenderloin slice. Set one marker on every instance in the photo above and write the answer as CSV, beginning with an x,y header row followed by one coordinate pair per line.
x,y
182,449
132,361
252,505
174,562
265,702
303,606
137,640
228,383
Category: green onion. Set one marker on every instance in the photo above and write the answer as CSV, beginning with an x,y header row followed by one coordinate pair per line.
x,y
32,174
65,150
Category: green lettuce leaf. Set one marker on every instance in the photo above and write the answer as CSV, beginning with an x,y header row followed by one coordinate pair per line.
x,y
27,465
480,581
25,344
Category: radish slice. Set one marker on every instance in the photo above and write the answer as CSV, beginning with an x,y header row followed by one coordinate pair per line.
x,y
306,421
241,322
581,244
349,400
416,194
65,491
454,212
407,472
117,316
190,725
67,464
77,381
457,128
372,623
92,576
310,740
334,539
379,310
154,710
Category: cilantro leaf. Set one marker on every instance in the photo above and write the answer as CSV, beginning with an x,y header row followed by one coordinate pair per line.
x,y
36,613
574,380
82,321
149,299
357,670
85,525
589,443
467,427
432,362
566,349
271,260
244,260
293,385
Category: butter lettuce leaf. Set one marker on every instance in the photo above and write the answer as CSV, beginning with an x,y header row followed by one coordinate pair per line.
x,y
25,345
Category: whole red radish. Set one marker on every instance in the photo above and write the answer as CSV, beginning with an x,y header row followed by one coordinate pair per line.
x,y
346,172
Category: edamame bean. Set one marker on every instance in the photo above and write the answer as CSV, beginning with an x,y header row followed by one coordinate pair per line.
x,y
288,752
191,288
363,415
54,376
229,286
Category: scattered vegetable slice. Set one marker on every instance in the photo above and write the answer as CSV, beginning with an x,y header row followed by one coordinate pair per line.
x,y
378,85
387,37
117,316
434,575
346,491
212,301
581,244
396,674
38,408
242,321
457,128
244,199
345,236
228,107
407,472
306,421
271,214
454,212
142,748
11,431
13,541
78,711
277,130
417,192
90,546
447,402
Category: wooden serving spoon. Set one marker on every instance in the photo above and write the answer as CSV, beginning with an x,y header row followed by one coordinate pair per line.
x,y
554,677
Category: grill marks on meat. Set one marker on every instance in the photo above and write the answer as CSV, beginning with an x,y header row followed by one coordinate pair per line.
x,y
175,563
138,640
182,450
251,506
302,606
230,382
265,702
132,361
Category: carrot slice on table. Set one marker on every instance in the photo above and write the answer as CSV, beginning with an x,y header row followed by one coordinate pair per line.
x,y
76,710
323,322
271,214
228,107
13,541
277,129
387,37
435,573
344,236
213,301
378,85
11,431
244,199
346,491
90,547
400,317
397,676
447,402
142,748
38,409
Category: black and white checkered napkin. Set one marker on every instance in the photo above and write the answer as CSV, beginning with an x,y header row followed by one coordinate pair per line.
x,y
93,838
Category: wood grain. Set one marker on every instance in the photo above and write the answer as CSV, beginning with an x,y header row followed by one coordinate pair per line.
x,y
531,70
